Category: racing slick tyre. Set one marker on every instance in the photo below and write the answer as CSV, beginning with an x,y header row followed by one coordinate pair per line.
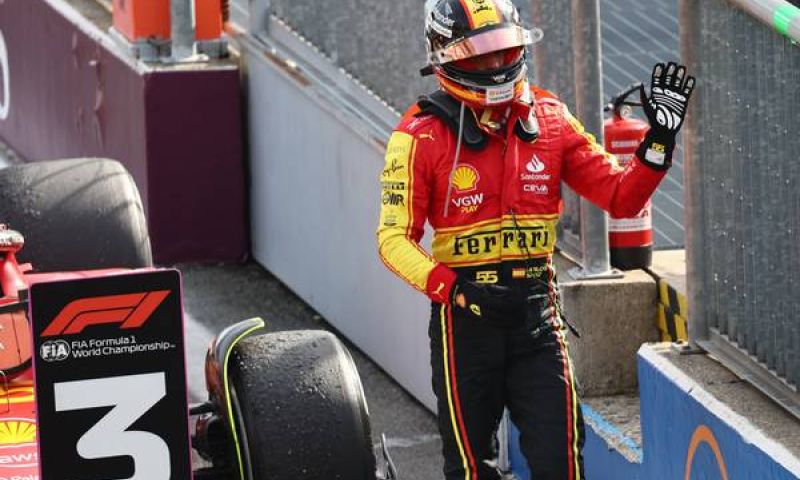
x,y
75,214
300,408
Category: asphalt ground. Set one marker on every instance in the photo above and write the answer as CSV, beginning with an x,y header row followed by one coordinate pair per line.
x,y
216,296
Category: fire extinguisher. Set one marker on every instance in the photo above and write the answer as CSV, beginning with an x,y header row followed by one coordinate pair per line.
x,y
630,239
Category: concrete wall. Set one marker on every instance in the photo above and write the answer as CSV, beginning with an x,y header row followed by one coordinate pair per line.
x,y
614,317
315,201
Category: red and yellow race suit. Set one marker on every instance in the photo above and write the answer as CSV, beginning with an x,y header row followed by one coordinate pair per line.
x,y
507,177
494,214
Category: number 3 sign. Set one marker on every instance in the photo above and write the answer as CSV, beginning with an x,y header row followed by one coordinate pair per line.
x,y
110,378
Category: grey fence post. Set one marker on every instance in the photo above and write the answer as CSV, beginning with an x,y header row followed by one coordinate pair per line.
x,y
182,22
258,15
589,108
693,179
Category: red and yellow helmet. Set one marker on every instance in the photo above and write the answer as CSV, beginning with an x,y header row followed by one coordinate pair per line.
x,y
477,49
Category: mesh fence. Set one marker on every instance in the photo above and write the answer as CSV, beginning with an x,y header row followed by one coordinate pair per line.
x,y
745,183
379,42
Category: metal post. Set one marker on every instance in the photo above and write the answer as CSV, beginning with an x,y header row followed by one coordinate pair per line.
x,y
694,179
258,16
589,103
778,14
182,21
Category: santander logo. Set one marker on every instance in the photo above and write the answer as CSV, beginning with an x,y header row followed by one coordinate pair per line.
x,y
535,168
535,165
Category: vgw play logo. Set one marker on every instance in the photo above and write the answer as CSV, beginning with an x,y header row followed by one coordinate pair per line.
x,y
5,84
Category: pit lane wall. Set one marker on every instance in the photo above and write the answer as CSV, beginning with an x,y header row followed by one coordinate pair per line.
x,y
67,90
315,157
687,433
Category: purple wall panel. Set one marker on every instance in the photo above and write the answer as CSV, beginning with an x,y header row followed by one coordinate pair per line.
x,y
177,131
193,130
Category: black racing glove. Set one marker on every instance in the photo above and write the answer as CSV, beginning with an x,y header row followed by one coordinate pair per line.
x,y
501,306
665,108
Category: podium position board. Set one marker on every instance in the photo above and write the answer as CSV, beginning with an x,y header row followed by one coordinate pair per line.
x,y
110,378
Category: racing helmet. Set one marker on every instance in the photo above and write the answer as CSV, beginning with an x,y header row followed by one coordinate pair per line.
x,y
477,50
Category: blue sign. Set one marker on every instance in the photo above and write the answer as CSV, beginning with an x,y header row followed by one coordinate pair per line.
x,y
687,434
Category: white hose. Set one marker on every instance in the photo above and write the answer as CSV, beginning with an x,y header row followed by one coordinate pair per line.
x,y
455,160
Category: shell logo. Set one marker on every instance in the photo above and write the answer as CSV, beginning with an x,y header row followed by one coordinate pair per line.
x,y
15,432
465,178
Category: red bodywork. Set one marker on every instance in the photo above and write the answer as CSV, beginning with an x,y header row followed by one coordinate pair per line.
x,y
15,279
18,448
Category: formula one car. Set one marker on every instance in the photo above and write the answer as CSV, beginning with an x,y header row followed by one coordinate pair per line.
x,y
92,362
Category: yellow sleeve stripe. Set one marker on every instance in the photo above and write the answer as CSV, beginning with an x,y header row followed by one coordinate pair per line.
x,y
396,245
591,140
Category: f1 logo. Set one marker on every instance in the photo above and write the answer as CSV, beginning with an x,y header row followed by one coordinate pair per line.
x,y
130,310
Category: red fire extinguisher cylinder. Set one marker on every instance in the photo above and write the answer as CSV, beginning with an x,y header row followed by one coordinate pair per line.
x,y
630,239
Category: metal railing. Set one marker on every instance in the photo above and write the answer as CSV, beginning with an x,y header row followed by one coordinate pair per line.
x,y
781,15
379,43
743,189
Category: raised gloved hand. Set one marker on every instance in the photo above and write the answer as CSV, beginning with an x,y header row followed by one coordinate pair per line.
x,y
501,306
665,107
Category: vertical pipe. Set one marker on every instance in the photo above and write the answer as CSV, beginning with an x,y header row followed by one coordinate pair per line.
x,y
554,69
258,16
589,100
693,181
182,21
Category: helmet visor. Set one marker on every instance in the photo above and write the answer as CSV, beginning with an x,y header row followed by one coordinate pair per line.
x,y
491,61
486,42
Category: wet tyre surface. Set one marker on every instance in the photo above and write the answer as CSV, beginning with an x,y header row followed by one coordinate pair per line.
x,y
75,214
303,407
221,294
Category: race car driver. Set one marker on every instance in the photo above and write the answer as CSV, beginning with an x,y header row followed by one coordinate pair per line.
x,y
482,160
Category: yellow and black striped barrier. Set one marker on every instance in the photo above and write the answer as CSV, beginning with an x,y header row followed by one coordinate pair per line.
x,y
672,313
